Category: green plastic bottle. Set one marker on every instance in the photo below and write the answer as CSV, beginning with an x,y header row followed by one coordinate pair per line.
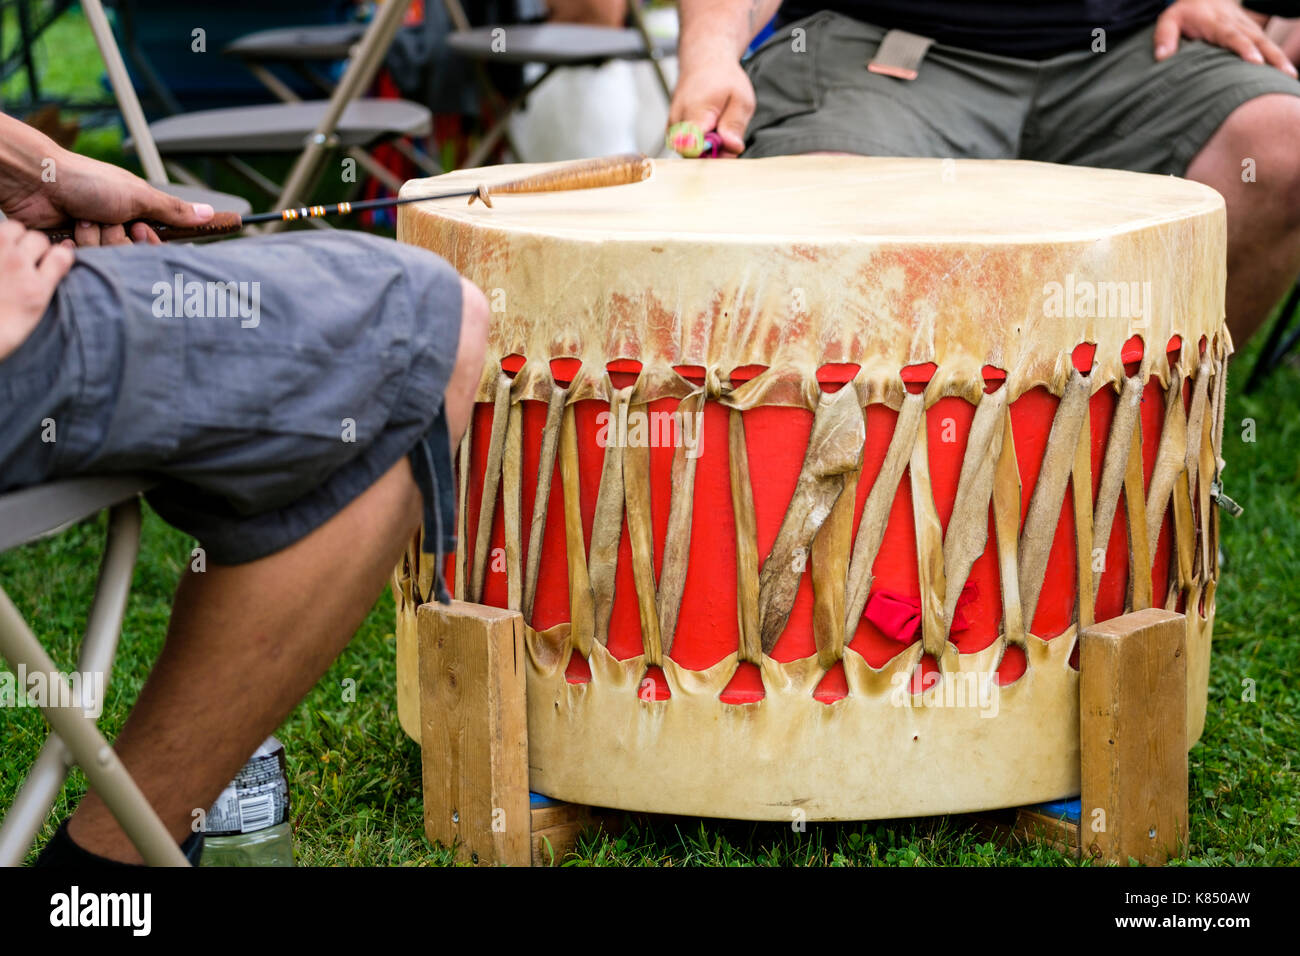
x,y
249,824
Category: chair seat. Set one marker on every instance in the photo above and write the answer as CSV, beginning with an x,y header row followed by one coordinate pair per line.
x,y
555,44
284,127
29,513
332,41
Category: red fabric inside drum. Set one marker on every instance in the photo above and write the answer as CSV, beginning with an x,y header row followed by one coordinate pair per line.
x,y
1012,667
707,629
836,375
745,686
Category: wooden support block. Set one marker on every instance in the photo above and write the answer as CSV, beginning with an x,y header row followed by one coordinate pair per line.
x,y
474,732
557,825
1133,737
1055,824
1058,832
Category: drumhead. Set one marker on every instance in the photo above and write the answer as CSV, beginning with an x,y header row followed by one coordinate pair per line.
x,y
830,198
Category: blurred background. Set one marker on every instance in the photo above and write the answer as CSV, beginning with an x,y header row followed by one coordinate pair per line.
x,y
460,69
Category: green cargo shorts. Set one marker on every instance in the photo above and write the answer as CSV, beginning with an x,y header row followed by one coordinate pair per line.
x,y
1117,109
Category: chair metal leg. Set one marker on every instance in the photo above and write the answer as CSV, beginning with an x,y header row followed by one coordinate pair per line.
x,y
1274,350
651,52
501,127
1288,345
166,98
103,627
375,168
356,77
418,158
107,608
145,148
285,94
267,185
32,804
182,175
77,733
277,86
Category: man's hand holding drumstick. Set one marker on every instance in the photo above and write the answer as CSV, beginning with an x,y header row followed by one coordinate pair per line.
x,y
713,92
43,185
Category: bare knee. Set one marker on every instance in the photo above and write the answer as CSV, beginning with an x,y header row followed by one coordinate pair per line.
x,y
473,326
474,319
470,353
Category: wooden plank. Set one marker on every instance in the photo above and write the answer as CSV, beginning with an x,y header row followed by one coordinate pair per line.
x,y
1139,547
1133,737
557,826
474,733
1041,823
1060,834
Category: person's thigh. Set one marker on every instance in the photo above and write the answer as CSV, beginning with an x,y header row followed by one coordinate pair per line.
x,y
1123,110
265,382
815,94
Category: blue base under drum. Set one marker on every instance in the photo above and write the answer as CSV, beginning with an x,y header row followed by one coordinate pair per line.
x,y
1067,810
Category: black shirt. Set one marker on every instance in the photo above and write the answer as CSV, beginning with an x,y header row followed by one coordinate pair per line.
x,y
1029,29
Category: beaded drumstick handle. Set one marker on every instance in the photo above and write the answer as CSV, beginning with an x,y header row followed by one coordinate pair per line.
x,y
584,174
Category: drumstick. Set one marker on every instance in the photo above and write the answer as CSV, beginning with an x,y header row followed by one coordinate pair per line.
x,y
584,174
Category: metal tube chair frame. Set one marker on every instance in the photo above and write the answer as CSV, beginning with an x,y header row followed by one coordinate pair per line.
x,y
283,92
127,101
1282,340
357,76
75,738
359,73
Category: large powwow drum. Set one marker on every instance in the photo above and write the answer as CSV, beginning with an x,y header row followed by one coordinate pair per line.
x,y
805,473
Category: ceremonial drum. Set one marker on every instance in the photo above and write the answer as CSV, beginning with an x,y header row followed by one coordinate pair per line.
x,y
805,473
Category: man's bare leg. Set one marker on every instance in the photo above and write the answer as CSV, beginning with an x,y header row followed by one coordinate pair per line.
x,y
1263,215
247,642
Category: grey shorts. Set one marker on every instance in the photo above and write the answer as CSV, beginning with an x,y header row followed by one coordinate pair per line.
x,y
1116,109
264,383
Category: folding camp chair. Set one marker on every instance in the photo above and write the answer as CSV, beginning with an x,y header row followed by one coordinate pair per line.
x,y
314,127
25,516
552,45
300,47
36,512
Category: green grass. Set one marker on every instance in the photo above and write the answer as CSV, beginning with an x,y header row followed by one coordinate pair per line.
x,y
355,778
69,66
66,58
